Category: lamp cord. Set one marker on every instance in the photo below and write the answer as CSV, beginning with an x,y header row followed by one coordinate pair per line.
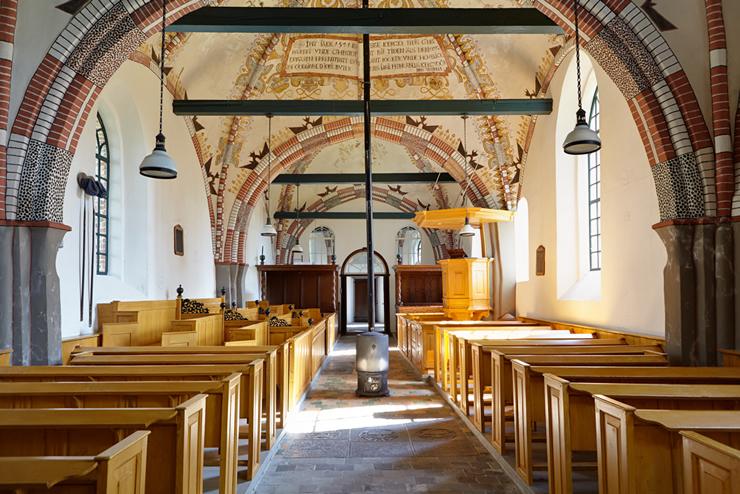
x,y
161,79
578,53
465,143
269,159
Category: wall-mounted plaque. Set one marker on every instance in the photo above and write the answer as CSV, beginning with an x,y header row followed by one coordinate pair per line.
x,y
540,261
179,244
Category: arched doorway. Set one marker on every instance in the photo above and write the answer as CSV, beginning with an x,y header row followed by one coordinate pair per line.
x,y
354,290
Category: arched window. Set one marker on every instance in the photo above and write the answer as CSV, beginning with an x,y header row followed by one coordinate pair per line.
x,y
102,156
321,245
594,193
408,245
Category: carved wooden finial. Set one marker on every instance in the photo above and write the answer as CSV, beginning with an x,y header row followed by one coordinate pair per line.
x,y
310,321
223,291
223,306
180,291
233,305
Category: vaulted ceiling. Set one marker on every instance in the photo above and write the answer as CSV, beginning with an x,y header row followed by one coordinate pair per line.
x,y
275,66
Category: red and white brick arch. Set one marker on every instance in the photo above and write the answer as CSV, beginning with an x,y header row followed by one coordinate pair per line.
x,y
418,141
97,40
288,232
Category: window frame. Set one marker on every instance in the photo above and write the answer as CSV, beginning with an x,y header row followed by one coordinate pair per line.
x,y
594,192
326,259
102,159
403,250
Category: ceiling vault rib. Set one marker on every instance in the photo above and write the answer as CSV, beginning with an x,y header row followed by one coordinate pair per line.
x,y
365,21
383,108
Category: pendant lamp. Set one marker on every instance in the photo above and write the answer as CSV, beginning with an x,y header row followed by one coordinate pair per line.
x,y
297,249
268,230
467,230
159,164
582,139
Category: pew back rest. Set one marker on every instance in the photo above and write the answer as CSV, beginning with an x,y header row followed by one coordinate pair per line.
x,y
209,329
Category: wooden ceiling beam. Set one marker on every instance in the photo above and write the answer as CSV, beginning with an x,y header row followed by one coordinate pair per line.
x,y
336,215
365,21
384,108
358,178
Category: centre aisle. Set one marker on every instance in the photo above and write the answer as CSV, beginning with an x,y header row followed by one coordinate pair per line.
x,y
411,441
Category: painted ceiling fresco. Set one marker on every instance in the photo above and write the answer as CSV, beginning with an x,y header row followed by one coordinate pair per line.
x,y
275,66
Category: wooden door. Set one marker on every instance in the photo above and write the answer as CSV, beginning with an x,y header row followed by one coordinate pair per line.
x,y
361,300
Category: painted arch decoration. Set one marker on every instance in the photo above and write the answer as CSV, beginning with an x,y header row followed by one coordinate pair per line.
x,y
619,35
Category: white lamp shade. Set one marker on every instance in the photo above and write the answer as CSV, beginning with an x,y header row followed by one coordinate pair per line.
x,y
158,164
467,230
268,230
297,249
582,139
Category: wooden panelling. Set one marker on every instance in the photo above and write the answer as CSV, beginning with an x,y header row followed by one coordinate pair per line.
x,y
730,358
301,285
710,467
630,338
419,284
5,356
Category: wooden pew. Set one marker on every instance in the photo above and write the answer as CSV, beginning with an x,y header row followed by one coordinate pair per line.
x,y
421,338
530,383
482,372
636,448
222,408
174,450
730,358
709,466
186,308
120,469
276,373
178,359
5,357
444,343
209,329
503,386
570,413
151,319
247,330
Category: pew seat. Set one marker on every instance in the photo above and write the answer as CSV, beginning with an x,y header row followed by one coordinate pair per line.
x,y
120,469
638,451
570,413
222,406
177,359
174,449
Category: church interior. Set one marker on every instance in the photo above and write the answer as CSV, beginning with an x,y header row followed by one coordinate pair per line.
x,y
191,319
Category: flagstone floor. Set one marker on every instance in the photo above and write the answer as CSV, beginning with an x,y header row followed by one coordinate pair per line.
x,y
411,441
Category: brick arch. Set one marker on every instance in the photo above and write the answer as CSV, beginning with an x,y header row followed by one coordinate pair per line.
x,y
305,144
624,42
287,236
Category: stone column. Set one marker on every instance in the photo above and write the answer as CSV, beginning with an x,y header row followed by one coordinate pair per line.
x,y
22,297
706,290
231,277
46,307
725,268
679,279
6,287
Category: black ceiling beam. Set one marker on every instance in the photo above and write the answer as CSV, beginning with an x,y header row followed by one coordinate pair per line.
x,y
359,178
329,215
384,108
364,21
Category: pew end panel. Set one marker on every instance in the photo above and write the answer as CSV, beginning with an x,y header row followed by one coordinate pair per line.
x,y
730,358
123,466
121,333
180,338
709,466
5,356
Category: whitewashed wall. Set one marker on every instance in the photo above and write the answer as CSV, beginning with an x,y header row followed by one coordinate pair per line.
x,y
633,256
144,211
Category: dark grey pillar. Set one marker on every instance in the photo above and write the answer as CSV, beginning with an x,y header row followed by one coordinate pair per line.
x,y
725,269
6,287
22,296
226,276
679,280
241,274
706,301
46,310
